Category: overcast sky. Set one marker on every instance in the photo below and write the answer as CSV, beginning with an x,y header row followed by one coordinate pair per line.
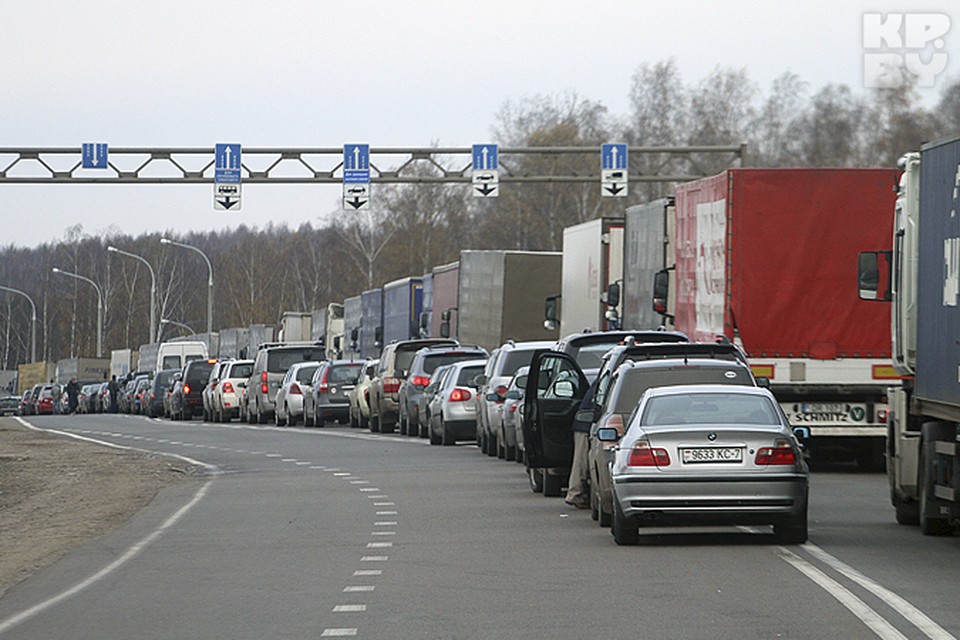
x,y
390,73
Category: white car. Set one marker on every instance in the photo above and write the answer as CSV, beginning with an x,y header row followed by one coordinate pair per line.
x,y
453,410
212,382
229,391
295,385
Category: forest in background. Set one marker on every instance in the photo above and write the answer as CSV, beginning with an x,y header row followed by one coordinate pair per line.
x,y
261,272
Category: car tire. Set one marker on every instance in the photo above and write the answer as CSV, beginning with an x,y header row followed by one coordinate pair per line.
x,y
277,420
509,453
401,425
291,418
605,518
535,476
907,512
552,485
374,423
491,445
594,506
624,531
435,439
261,417
445,436
791,530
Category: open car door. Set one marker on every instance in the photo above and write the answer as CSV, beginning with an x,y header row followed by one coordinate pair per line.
x,y
555,387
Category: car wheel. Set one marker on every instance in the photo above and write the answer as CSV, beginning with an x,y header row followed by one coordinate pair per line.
x,y
435,438
261,417
594,506
374,423
491,445
401,425
351,420
552,484
624,531
535,476
446,437
605,518
510,453
277,420
291,418
792,530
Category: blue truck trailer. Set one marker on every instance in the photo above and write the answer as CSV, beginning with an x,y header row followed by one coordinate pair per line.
x,y
371,323
402,305
923,439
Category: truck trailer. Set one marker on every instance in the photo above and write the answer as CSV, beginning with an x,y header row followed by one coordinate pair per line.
x,y
402,305
759,259
498,293
371,323
352,320
920,274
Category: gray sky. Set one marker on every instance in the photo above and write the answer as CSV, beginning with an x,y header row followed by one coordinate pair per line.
x,y
397,73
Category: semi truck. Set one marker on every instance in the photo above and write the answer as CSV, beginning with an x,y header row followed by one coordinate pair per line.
x,y
327,327
646,246
446,293
920,274
495,292
352,319
592,262
371,323
402,305
758,259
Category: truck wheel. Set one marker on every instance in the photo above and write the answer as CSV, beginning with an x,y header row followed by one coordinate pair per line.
x,y
930,523
907,512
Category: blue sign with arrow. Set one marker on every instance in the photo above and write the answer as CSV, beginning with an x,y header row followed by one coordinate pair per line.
x,y
613,156
356,163
94,155
485,157
227,163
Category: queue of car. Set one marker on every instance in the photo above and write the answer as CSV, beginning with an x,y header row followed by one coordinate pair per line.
x,y
679,432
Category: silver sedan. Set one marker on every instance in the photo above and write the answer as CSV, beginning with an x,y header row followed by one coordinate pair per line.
x,y
708,454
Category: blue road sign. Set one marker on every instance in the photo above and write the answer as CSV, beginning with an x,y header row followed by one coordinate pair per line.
x,y
94,155
356,163
613,156
227,163
485,157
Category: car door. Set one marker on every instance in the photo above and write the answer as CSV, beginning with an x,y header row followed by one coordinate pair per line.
x,y
555,387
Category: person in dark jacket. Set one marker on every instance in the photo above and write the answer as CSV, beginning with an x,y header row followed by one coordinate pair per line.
x,y
114,390
73,395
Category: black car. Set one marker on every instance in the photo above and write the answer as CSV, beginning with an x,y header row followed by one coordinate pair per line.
x,y
160,386
9,405
187,400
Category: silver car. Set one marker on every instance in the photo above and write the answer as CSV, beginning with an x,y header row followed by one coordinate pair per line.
x,y
453,410
508,415
295,385
708,454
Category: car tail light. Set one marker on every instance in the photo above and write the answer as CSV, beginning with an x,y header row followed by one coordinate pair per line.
x,y
295,390
227,387
643,455
213,385
500,391
420,381
323,386
264,388
513,407
186,389
460,395
391,385
263,376
780,453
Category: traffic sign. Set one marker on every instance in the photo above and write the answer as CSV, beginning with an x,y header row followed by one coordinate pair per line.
x,y
486,173
356,163
227,163
94,155
356,195
613,170
226,196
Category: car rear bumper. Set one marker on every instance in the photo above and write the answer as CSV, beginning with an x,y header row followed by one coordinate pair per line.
x,y
459,429
741,500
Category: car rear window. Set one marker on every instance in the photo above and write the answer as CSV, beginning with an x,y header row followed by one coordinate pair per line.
x,y
279,360
241,371
710,408
467,374
305,374
590,356
344,373
514,360
634,382
431,362
199,371
164,378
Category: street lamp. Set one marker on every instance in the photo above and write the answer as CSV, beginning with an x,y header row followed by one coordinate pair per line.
x,y
33,322
165,321
153,289
209,280
99,305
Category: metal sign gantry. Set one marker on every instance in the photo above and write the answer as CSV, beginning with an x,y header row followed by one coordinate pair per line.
x,y
324,165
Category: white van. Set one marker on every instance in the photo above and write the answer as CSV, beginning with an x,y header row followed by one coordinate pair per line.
x,y
174,355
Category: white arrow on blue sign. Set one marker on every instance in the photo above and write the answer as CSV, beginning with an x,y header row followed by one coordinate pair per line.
x,y
485,157
94,155
613,156
356,163
227,163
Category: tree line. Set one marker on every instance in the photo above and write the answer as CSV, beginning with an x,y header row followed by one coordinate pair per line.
x,y
262,272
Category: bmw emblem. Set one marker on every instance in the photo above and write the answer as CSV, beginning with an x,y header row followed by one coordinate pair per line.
x,y
711,436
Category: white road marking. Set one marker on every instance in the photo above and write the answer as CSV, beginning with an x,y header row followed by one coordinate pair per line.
x,y
333,633
365,588
384,533
374,558
367,489
385,523
386,513
368,572
379,545
383,504
349,608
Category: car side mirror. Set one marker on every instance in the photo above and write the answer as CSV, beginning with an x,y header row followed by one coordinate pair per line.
x,y
493,397
242,385
607,434
563,389
763,382
585,416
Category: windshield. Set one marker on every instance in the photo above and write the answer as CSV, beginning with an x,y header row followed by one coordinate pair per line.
x,y
709,408
634,382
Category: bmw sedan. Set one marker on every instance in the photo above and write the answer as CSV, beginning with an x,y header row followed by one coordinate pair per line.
x,y
708,454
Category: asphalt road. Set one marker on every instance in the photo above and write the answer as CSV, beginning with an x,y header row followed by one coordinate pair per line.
x,y
305,533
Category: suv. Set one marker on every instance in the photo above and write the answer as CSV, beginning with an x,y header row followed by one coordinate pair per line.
x,y
187,400
394,364
425,362
270,365
503,363
228,392
330,389
359,413
215,375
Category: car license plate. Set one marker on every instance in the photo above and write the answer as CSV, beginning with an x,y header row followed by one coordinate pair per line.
x,y
711,454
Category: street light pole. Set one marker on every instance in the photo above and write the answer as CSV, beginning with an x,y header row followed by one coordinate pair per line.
x,y
164,321
153,289
33,322
99,305
209,279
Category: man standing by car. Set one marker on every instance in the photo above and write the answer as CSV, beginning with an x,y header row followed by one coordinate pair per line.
x,y
578,485
55,392
113,389
73,395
